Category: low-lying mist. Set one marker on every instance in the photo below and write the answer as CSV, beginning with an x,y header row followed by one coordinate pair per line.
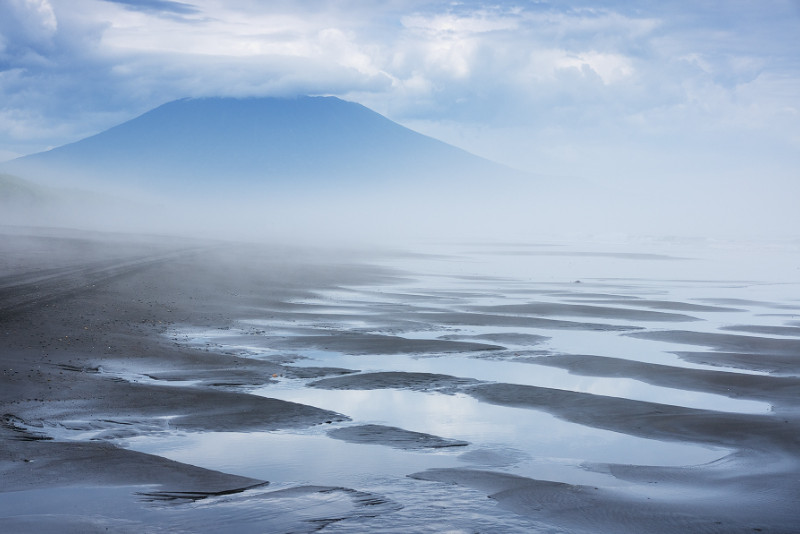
x,y
455,208
327,171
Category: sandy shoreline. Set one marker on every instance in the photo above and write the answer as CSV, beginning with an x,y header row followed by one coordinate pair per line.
x,y
72,322
85,324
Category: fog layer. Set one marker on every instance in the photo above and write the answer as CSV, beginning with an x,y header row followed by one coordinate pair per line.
x,y
321,169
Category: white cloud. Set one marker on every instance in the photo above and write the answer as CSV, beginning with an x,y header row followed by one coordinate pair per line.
x,y
544,65
478,22
343,48
555,87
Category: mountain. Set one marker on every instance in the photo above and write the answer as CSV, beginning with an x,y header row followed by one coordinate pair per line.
x,y
271,143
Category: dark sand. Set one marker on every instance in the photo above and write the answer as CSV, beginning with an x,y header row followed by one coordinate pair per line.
x,y
768,330
778,390
510,320
638,418
727,342
84,322
585,509
77,312
763,362
547,309
524,340
362,343
394,437
395,379
657,304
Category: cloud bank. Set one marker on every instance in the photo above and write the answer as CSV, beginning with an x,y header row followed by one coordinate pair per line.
x,y
705,95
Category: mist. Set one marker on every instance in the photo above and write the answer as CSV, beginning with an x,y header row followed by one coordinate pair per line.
x,y
320,170
499,209
324,171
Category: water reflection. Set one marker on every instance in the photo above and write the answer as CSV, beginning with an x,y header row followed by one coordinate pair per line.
x,y
536,439
495,367
520,441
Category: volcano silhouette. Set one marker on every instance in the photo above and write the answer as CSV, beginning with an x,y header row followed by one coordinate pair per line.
x,y
210,143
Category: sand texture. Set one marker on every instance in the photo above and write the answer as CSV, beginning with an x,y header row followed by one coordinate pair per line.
x,y
152,384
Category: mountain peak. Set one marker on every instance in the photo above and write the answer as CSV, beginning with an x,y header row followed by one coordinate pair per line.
x,y
267,143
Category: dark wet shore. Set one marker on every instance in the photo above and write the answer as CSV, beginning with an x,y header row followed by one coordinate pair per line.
x,y
90,357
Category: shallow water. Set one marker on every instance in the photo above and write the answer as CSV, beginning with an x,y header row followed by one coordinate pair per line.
x,y
519,441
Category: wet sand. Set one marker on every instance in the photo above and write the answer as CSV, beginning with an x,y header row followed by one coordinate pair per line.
x,y
78,312
93,355
645,419
394,437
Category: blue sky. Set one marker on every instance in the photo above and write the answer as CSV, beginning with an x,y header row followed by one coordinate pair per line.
x,y
702,93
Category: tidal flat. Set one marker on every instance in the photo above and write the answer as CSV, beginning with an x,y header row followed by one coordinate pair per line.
x,y
154,384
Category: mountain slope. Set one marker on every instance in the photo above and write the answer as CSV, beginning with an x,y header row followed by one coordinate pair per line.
x,y
256,142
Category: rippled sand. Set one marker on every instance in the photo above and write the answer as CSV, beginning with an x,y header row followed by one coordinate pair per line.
x,y
583,387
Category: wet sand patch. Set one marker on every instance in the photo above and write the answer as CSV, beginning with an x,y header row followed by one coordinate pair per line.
x,y
637,418
503,338
781,364
726,342
769,330
40,464
363,343
589,509
666,305
87,510
485,319
773,389
395,379
393,437
589,254
188,408
746,303
582,310
601,298
648,419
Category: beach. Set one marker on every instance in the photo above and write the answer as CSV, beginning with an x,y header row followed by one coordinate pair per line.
x,y
164,384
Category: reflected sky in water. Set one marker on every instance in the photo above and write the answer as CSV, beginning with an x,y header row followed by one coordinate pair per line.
x,y
520,441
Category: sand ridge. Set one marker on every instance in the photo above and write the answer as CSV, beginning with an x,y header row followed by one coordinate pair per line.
x,y
90,357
